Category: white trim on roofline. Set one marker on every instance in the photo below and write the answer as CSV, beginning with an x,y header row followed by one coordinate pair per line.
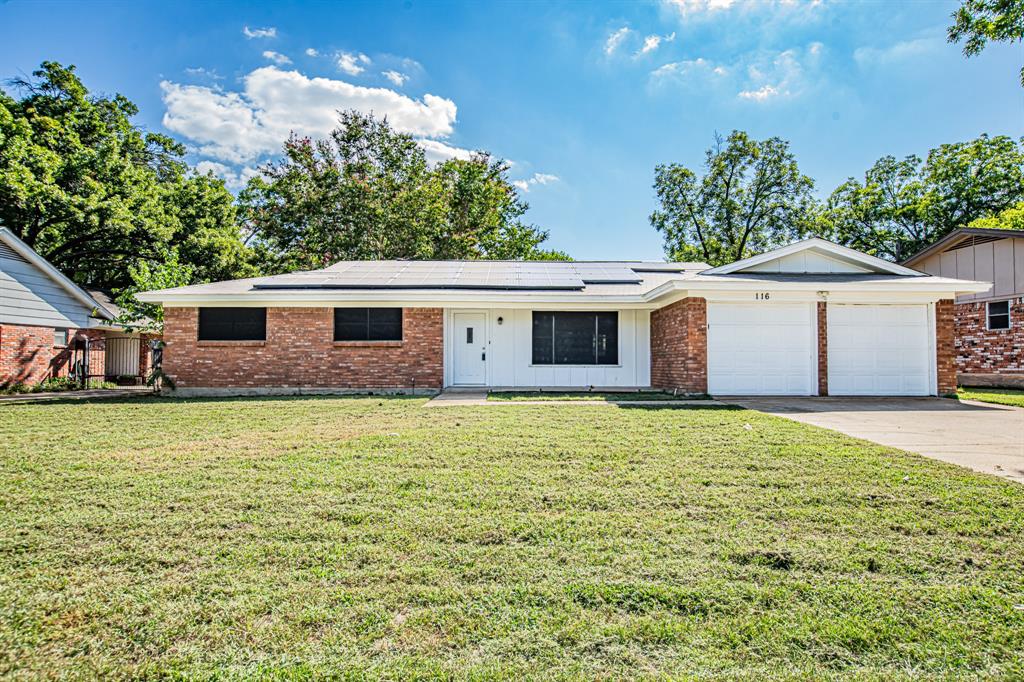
x,y
26,252
817,243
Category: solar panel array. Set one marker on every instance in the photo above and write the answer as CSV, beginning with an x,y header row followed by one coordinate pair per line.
x,y
456,275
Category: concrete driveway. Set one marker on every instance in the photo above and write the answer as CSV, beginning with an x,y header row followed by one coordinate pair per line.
x,y
980,436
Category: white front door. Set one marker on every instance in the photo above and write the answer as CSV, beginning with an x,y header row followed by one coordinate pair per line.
x,y
761,349
469,349
879,350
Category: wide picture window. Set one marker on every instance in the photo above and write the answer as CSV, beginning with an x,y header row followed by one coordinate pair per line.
x,y
367,324
232,324
575,338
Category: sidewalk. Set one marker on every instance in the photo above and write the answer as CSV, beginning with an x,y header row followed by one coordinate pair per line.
x,y
121,392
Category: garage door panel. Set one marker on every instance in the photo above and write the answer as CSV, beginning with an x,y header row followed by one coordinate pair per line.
x,y
878,350
762,349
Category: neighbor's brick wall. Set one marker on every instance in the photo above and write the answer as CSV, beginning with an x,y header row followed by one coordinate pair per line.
x,y
28,356
300,352
679,346
822,348
983,351
945,348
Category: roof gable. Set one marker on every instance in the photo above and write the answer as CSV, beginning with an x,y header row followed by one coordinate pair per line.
x,y
814,256
964,236
22,252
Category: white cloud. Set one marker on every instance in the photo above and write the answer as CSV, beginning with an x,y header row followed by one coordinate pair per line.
x,y
692,8
762,94
437,151
757,77
651,43
276,57
868,57
536,179
239,127
311,52
352,64
395,77
615,39
250,33
203,72
233,180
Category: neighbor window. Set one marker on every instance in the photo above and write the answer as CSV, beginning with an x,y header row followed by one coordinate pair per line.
x,y
367,324
575,338
60,337
999,315
232,324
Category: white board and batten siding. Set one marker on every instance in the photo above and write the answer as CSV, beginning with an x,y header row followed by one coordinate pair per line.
x,y
28,296
510,354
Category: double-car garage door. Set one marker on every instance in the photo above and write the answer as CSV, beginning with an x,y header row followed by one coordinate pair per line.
x,y
771,349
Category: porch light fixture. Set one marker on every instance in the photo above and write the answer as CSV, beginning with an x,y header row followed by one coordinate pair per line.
x,y
500,320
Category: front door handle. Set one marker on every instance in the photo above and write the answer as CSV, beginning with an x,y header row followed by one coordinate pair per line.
x,y
483,356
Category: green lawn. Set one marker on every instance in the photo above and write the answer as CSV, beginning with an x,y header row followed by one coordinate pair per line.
x,y
370,538
1001,396
631,396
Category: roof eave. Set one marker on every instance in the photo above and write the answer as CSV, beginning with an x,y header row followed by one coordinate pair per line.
x,y
959,235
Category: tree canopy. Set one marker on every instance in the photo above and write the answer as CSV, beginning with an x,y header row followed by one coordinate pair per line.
x,y
976,22
751,198
96,195
903,205
367,192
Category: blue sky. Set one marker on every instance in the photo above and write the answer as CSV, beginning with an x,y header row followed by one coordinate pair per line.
x,y
584,99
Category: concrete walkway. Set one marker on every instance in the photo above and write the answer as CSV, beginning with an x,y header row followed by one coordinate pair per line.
x,y
980,436
462,397
91,394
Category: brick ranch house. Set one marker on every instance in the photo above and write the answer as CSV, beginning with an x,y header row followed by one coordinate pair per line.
x,y
812,318
989,325
48,323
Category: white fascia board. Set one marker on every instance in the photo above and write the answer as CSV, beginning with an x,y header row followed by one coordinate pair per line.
x,y
26,252
908,286
815,243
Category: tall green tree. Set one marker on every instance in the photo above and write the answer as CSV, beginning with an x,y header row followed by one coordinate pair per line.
x,y
96,195
902,205
976,22
751,197
367,192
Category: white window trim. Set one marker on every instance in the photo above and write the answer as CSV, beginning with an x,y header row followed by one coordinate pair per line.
x,y
988,318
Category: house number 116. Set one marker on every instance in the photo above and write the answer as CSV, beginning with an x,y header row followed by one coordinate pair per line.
x,y
762,296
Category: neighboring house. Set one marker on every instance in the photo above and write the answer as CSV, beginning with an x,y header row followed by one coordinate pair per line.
x,y
989,324
48,323
812,318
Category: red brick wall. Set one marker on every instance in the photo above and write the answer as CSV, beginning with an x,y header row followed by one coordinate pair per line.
x,y
679,346
983,351
945,350
300,352
28,356
822,348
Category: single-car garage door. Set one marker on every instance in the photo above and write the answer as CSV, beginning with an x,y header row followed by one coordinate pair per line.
x,y
761,349
879,350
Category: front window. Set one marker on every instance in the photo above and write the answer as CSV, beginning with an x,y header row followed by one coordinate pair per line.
x,y
60,337
999,315
232,324
367,324
575,338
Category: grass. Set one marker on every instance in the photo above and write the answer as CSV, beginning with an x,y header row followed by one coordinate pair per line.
x,y
605,396
369,538
1000,396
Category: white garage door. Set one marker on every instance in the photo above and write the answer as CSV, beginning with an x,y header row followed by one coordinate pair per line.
x,y
878,350
761,349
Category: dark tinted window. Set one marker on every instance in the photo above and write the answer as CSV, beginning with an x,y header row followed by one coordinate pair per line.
x,y
999,315
367,324
232,324
575,338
